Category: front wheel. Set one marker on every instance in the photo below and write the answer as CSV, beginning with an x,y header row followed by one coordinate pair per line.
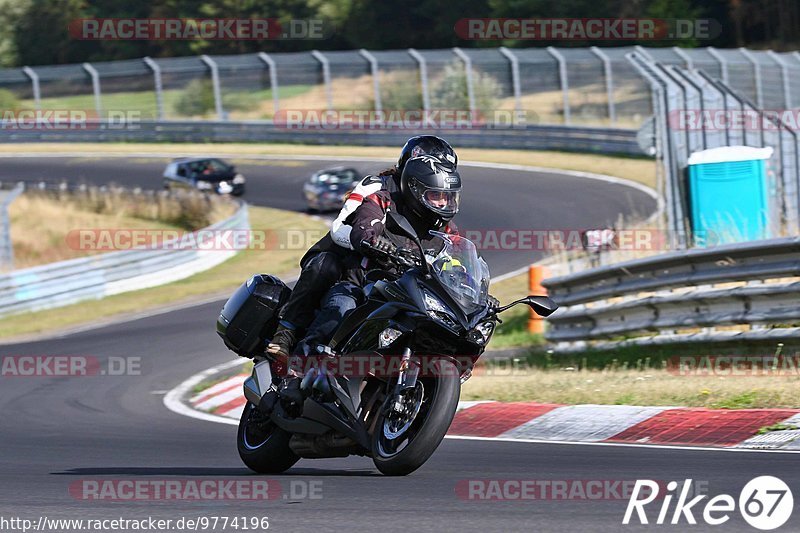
x,y
263,446
404,440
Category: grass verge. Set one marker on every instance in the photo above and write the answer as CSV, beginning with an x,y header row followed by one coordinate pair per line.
x,y
635,169
45,224
224,277
638,375
631,387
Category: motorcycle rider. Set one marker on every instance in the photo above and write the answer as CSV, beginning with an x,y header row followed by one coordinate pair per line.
x,y
334,258
428,197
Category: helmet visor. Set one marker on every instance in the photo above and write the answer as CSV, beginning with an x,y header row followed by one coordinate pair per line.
x,y
442,201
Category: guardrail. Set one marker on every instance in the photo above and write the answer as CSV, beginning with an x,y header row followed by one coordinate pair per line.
x,y
87,278
654,300
535,137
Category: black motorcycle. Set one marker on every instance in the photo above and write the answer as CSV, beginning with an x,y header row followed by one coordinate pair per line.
x,y
387,386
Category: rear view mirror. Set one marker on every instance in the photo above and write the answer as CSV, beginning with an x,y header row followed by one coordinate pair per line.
x,y
542,305
397,223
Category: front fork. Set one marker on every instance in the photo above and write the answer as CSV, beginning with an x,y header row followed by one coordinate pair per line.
x,y
406,379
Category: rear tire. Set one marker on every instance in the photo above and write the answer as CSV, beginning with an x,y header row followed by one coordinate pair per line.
x,y
428,428
263,447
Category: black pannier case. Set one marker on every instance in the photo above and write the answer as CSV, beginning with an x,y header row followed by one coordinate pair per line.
x,y
250,316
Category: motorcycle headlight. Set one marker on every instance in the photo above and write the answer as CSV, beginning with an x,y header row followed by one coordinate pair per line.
x,y
238,179
204,185
387,337
482,333
438,310
432,303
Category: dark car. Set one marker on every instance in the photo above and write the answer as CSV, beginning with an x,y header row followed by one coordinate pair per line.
x,y
205,174
326,190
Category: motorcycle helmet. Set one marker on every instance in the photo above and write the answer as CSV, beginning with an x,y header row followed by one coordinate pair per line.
x,y
427,145
431,192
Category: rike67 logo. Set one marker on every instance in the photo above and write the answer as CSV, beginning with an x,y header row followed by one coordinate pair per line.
x,y
765,503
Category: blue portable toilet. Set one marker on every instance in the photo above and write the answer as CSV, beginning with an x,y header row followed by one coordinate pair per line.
x,y
728,194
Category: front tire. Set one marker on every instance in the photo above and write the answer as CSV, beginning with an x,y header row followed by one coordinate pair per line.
x,y
263,447
401,455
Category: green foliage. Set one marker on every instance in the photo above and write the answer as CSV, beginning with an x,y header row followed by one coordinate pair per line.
x,y
37,32
780,426
451,91
197,99
401,91
8,101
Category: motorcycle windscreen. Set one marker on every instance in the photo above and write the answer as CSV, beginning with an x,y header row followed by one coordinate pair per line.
x,y
461,271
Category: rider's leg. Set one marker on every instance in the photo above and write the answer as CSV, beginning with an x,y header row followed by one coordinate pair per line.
x,y
340,300
319,274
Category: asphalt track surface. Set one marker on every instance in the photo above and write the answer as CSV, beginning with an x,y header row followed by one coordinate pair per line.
x,y
58,432
496,200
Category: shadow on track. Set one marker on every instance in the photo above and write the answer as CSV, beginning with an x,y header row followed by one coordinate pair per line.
x,y
200,472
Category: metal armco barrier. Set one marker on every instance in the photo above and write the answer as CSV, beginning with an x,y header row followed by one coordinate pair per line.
x,y
630,302
600,140
7,195
91,278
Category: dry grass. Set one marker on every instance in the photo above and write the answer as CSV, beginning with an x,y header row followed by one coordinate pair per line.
x,y
631,387
588,105
42,220
39,228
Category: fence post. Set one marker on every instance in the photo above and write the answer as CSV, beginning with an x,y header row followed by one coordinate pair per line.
x,y
723,63
562,74
787,94
37,92
326,76
376,83
536,273
273,80
98,106
468,72
683,55
212,66
612,109
514,62
6,249
159,88
664,140
757,72
423,78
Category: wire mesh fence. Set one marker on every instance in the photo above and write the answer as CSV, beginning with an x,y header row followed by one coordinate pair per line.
x,y
696,112
573,86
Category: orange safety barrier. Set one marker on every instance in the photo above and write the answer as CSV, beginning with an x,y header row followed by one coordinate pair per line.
x,y
536,274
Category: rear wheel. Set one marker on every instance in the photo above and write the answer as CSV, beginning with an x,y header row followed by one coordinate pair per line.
x,y
263,446
404,439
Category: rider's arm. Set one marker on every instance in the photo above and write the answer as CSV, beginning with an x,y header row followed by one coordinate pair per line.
x,y
340,229
368,220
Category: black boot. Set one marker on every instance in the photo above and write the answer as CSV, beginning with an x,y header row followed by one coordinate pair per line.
x,y
282,343
291,395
